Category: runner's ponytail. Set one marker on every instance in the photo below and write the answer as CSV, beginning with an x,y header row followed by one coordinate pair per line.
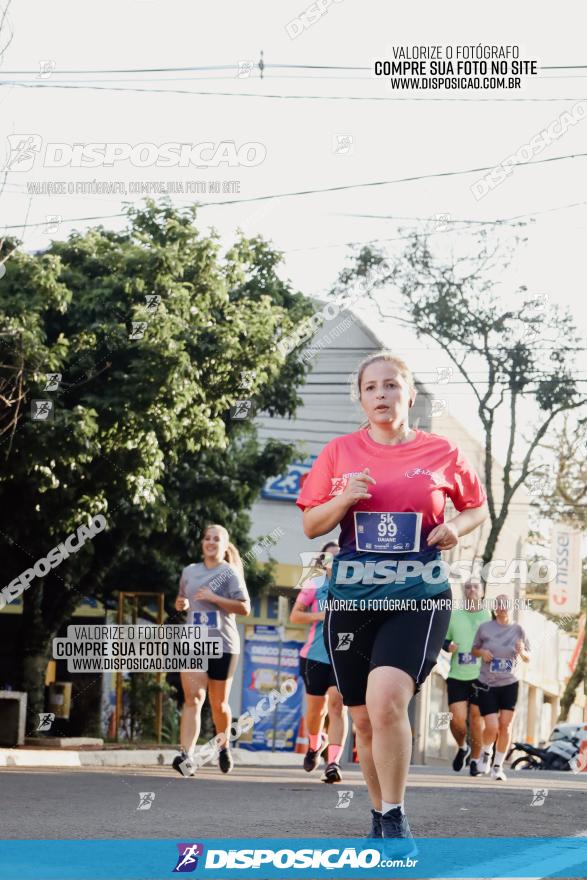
x,y
233,557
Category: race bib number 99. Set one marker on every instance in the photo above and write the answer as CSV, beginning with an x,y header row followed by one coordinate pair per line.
x,y
387,532
498,665
206,618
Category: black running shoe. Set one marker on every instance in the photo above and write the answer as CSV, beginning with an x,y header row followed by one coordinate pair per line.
x,y
460,758
375,831
311,759
225,761
183,764
395,826
473,769
332,773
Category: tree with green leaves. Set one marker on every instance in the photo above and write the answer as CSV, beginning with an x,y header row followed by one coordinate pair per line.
x,y
138,340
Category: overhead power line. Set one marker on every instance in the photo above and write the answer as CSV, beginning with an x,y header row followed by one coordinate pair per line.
x,y
329,189
234,66
215,94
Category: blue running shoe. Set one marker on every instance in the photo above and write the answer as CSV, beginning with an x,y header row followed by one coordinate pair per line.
x,y
375,831
395,827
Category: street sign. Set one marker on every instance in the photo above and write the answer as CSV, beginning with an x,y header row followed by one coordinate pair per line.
x,y
564,592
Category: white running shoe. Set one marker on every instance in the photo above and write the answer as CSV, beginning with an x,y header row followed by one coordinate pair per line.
x,y
497,773
484,763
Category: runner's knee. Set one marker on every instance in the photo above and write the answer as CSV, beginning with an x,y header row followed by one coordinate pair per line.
x,y
459,715
335,704
195,698
491,726
386,713
362,722
221,706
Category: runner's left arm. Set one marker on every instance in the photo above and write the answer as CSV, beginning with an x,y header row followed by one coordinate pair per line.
x,y
523,647
447,534
236,601
469,498
231,606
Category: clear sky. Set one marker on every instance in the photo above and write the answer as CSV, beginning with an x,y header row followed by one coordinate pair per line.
x,y
389,139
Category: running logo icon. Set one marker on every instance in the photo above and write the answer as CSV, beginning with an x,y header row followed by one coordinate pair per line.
x,y
241,410
442,720
539,795
146,799
344,799
46,719
42,410
344,641
311,569
187,861
23,149
52,381
339,483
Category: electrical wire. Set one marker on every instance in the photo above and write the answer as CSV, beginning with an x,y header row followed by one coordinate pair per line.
x,y
341,188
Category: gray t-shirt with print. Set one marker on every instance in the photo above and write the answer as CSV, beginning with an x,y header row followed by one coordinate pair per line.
x,y
224,581
501,640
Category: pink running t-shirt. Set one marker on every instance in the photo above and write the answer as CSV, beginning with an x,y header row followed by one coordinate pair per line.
x,y
417,476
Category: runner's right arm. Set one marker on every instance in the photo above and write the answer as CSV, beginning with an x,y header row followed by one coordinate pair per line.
x,y
305,600
182,603
477,650
448,644
324,517
299,614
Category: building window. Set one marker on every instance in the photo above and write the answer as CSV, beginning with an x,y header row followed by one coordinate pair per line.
x,y
272,603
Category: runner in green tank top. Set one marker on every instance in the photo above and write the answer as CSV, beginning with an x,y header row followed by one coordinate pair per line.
x,y
464,669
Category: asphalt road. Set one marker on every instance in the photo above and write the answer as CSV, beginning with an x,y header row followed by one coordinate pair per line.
x,y
253,802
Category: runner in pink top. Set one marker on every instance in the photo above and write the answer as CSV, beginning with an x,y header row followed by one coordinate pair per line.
x,y
307,598
389,597
322,696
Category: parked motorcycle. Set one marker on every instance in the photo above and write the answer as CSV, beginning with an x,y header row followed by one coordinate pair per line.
x,y
556,755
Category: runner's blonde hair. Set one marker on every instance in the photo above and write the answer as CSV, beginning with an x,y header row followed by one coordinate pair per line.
x,y
231,555
391,358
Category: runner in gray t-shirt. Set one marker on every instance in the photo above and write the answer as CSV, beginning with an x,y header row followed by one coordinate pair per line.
x,y
212,592
223,581
501,645
502,642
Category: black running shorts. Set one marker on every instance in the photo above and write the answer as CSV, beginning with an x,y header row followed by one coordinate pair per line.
x,y
317,676
222,668
461,691
492,699
359,641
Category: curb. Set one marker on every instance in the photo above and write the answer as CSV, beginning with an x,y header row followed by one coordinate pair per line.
x,y
131,758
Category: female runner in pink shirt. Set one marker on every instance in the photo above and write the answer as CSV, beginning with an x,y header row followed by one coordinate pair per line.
x,y
322,696
389,598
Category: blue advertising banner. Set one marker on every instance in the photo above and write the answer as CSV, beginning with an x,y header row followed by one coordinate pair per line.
x,y
268,662
286,487
304,858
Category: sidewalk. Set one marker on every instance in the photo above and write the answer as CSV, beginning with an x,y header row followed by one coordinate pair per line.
x,y
154,757
38,757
